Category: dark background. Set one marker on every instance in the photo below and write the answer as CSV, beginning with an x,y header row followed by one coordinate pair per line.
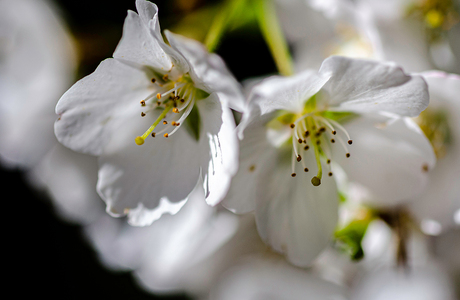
x,y
46,256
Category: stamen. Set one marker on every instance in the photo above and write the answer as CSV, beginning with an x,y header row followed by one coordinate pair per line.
x,y
142,114
142,102
293,174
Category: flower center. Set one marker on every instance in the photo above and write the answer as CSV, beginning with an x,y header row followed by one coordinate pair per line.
x,y
435,125
314,131
437,15
175,99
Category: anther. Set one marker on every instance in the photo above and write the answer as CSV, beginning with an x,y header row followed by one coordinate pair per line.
x,y
300,141
165,122
182,100
318,142
142,114
425,168
330,174
328,161
177,123
306,147
158,96
348,154
322,129
158,103
306,169
153,80
299,158
139,140
142,102
293,174
292,125
175,110
166,135
165,77
350,142
334,132
315,181
153,134
307,133
332,141
173,123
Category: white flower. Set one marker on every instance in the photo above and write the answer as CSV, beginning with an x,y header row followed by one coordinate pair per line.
x,y
268,277
437,206
37,64
178,93
295,129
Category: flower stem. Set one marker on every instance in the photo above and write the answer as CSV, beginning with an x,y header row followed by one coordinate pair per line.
x,y
221,23
273,35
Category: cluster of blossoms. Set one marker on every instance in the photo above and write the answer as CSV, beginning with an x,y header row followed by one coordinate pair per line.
x,y
255,187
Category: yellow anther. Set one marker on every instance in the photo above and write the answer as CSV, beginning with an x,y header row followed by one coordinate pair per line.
x,y
166,135
139,140
158,96
175,110
173,123
165,122
434,18
142,102
165,77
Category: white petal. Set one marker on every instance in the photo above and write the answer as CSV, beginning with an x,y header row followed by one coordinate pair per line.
x,y
222,163
293,216
209,71
288,93
96,107
138,45
387,158
267,277
255,150
371,86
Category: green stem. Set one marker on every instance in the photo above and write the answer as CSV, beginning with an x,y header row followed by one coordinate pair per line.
x,y
221,22
273,35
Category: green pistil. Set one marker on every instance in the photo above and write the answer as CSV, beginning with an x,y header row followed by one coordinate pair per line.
x,y
316,180
140,139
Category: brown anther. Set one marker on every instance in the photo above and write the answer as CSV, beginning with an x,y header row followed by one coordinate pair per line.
x,y
306,169
153,80
304,141
177,123
332,141
252,168
347,155
182,100
299,158
292,125
158,96
322,129
318,142
153,134
334,132
142,102
300,141
165,77
318,134
350,142
175,110
328,161
165,122
306,147
307,133
166,135
158,103
293,174
142,114
425,168
330,174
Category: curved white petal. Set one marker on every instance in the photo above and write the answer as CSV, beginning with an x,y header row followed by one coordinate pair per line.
x,y
288,93
293,216
390,159
94,109
267,277
370,86
222,163
209,71
137,44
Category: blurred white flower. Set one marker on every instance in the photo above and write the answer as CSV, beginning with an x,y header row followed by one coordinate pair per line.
x,y
419,34
296,125
269,277
37,64
180,88
437,206
319,29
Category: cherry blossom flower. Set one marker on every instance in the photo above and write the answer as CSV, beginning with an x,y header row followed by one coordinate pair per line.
x,y
157,115
351,115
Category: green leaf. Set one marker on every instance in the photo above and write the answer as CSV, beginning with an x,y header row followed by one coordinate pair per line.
x,y
193,123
